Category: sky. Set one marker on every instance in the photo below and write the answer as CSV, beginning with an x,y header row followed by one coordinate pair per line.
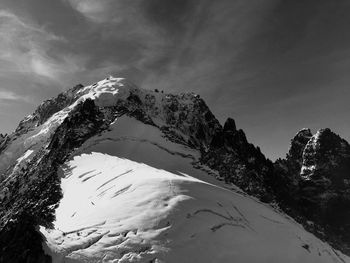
x,y
275,66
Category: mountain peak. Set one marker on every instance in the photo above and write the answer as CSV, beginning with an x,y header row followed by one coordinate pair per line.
x,y
322,152
230,125
304,132
298,144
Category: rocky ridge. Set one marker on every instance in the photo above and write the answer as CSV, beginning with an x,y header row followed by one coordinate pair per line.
x,y
46,138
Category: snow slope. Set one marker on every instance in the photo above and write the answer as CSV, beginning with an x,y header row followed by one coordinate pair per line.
x,y
136,141
129,196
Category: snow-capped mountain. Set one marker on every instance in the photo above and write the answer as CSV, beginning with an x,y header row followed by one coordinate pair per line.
x,y
114,173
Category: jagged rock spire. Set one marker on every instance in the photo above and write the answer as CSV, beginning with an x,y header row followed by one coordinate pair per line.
x,y
230,125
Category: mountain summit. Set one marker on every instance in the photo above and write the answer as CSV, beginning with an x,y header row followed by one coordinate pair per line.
x,y
113,173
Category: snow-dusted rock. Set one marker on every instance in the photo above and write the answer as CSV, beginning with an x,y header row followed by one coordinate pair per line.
x,y
317,172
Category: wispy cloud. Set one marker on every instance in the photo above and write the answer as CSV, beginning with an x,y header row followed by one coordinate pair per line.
x,y
25,49
92,9
8,95
100,11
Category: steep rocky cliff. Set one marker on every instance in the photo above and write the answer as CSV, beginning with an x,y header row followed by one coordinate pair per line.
x,y
315,178
240,162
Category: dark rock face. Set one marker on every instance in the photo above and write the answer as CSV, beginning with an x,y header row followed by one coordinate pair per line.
x,y
230,125
47,109
287,171
15,235
239,162
316,176
33,194
4,139
298,144
183,114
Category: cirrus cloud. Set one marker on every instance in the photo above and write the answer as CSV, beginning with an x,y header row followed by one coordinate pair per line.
x,y
25,49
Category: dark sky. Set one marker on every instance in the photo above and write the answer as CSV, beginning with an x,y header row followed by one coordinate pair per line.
x,y
275,66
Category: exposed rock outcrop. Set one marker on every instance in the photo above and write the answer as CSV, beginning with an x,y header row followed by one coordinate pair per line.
x,y
316,176
240,162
